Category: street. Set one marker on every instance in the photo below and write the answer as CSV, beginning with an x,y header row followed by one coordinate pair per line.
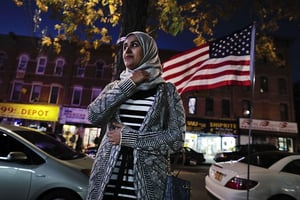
x,y
196,175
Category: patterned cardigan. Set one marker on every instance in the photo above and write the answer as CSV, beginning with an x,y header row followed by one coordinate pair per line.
x,y
151,142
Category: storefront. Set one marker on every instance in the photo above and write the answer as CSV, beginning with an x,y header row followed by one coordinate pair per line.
x,y
279,133
42,117
70,119
210,136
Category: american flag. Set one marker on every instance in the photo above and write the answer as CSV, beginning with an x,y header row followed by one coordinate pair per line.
x,y
225,61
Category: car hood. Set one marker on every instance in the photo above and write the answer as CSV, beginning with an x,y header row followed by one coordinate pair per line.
x,y
76,163
83,163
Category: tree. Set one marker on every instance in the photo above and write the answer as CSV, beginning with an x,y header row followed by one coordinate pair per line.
x,y
84,21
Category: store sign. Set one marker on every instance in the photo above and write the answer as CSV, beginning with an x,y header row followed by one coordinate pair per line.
x,y
268,125
73,115
211,126
29,111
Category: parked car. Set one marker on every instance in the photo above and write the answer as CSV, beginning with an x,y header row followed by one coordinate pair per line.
x,y
242,150
187,156
35,166
273,175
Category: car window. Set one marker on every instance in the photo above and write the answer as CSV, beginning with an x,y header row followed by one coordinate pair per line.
x,y
293,167
50,145
264,160
9,144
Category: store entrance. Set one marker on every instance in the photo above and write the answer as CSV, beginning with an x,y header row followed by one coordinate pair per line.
x,y
209,144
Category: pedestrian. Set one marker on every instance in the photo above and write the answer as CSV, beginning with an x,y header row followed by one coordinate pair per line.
x,y
79,141
145,120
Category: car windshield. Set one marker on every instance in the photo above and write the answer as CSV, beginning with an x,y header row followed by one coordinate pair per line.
x,y
50,145
265,159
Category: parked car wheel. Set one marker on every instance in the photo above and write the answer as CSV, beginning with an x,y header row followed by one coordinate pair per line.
x,y
60,194
281,197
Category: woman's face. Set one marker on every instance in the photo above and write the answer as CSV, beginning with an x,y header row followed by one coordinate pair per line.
x,y
132,52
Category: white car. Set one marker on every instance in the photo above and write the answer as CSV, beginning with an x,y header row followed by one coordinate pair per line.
x,y
35,166
272,175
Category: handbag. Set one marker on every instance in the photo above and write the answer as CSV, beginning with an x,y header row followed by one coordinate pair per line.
x,y
176,188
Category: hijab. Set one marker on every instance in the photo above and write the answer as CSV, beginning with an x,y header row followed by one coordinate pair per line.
x,y
150,62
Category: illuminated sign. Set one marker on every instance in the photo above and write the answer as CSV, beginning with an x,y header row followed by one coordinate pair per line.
x,y
73,115
268,125
29,111
211,126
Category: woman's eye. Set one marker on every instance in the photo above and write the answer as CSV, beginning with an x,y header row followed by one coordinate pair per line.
x,y
135,44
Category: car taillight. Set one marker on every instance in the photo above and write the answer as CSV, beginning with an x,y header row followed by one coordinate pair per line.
x,y
240,184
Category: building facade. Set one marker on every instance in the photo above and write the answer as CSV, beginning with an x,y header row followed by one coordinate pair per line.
x,y
50,91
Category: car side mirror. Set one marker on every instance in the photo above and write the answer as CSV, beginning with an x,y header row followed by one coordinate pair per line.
x,y
16,156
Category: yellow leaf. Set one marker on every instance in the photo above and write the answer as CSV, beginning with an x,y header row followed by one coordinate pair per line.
x,y
18,2
57,47
106,39
114,20
96,44
82,50
57,27
199,40
100,12
112,9
46,41
104,31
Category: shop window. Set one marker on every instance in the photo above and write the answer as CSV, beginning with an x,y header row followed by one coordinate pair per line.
x,y
76,97
282,86
35,93
54,94
264,84
59,67
209,107
80,69
3,58
99,68
23,62
95,93
225,108
283,112
192,105
17,91
41,65
246,108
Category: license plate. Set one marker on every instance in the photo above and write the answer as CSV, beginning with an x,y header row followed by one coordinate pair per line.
x,y
218,176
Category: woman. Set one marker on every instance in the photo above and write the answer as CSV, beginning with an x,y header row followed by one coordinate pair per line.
x,y
145,119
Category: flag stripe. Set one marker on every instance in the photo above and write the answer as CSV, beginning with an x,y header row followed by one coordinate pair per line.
x,y
224,62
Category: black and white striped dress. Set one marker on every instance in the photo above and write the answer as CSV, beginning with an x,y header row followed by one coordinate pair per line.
x,y
132,114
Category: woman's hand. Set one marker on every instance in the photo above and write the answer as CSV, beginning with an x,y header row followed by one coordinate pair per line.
x,y
140,76
114,135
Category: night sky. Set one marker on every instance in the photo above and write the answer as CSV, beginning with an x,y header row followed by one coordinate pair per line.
x,y
19,21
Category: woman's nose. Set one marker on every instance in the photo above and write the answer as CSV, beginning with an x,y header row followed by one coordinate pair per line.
x,y
127,49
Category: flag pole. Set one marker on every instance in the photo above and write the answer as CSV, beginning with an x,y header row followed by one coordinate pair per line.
x,y
252,80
